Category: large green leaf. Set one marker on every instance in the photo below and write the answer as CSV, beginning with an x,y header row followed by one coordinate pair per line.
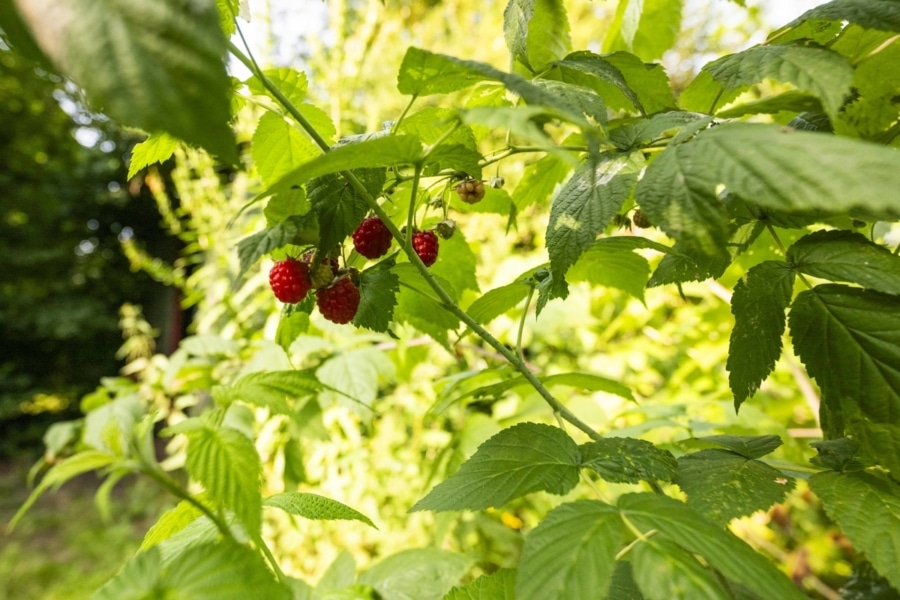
x,y
628,460
378,296
841,255
523,459
536,31
499,585
586,68
210,571
355,375
278,147
341,207
313,506
417,574
866,506
613,265
722,485
498,301
758,304
749,446
871,14
290,82
680,190
157,148
423,73
646,27
585,205
225,462
271,389
571,554
539,180
154,64
458,71
371,153
823,73
849,340
721,549
171,522
635,133
418,306
293,230
663,571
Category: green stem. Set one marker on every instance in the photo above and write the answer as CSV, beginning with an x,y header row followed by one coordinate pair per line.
x,y
403,114
445,298
176,490
267,552
522,325
411,215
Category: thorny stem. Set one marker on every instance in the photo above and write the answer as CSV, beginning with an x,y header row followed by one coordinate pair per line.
x,y
448,302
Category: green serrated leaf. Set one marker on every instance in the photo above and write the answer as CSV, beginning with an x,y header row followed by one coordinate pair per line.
x,y
766,164
498,301
592,70
636,133
523,459
623,586
209,571
270,389
228,10
663,571
842,454
846,256
294,230
582,98
628,460
758,304
417,305
536,32
312,506
722,485
89,460
278,147
433,124
585,205
722,550
612,265
866,506
423,73
378,289
339,206
225,462
171,522
157,148
153,64
646,27
372,153
649,81
819,71
847,338
499,585
289,327
355,375
571,553
539,180
793,101
456,263
456,157
290,82
749,446
871,14
417,574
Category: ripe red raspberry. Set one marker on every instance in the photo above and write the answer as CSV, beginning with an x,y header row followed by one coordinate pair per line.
x,y
339,301
289,280
372,238
471,191
425,243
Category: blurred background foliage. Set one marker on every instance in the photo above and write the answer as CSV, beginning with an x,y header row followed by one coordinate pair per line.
x,y
82,247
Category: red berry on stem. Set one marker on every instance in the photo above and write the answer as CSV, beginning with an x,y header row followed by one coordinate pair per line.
x,y
289,280
372,238
339,301
425,243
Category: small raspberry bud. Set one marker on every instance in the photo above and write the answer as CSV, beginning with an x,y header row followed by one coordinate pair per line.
x,y
446,229
425,243
640,220
339,301
289,280
372,238
471,191
321,275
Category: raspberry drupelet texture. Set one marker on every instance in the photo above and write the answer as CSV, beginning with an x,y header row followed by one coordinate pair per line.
x,y
425,243
289,280
372,238
339,301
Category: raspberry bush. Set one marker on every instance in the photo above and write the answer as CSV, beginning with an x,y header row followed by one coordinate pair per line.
x,y
577,458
